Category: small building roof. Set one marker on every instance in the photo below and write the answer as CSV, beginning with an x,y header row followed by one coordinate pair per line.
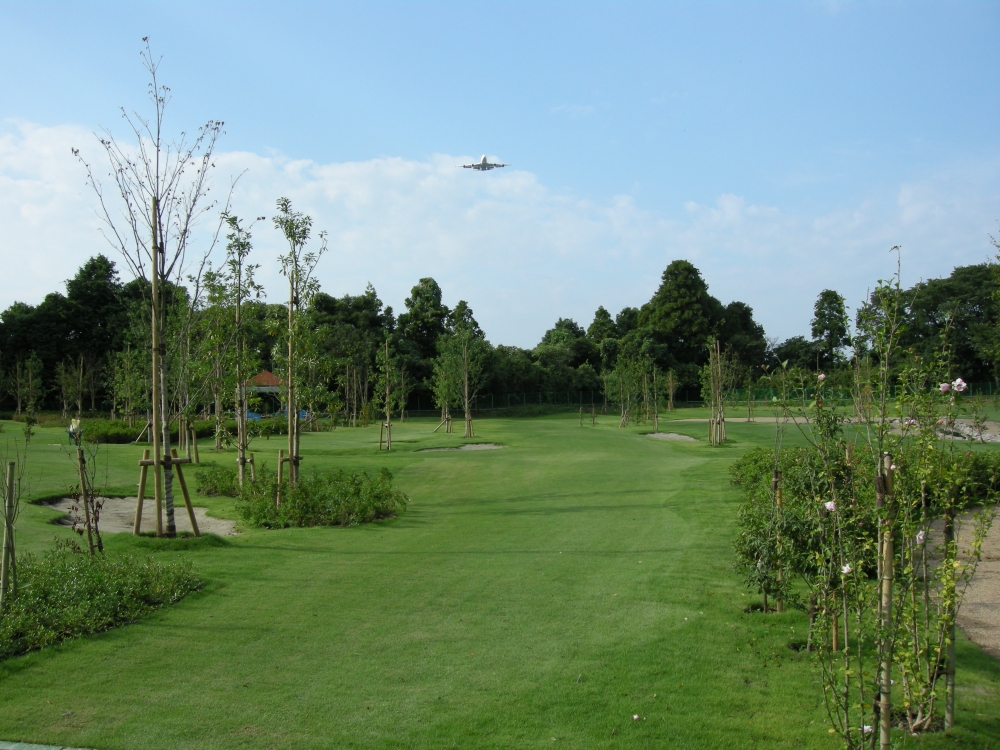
x,y
265,379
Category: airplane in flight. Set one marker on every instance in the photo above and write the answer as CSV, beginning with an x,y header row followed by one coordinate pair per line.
x,y
482,165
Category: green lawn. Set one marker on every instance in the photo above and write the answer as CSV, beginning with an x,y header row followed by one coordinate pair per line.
x,y
536,596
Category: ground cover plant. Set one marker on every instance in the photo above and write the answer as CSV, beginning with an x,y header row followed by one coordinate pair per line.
x,y
65,593
549,589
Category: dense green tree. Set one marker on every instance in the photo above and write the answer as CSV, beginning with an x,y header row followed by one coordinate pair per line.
x,y
425,318
626,321
462,316
965,305
603,326
830,327
743,337
798,351
680,313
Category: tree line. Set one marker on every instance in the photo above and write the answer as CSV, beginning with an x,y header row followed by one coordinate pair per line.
x,y
86,350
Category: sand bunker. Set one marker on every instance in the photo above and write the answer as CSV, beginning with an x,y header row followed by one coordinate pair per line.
x,y
671,436
469,447
979,616
118,515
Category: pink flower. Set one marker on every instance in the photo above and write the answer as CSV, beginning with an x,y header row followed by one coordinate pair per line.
x,y
821,377
830,506
921,535
959,385
945,387
845,569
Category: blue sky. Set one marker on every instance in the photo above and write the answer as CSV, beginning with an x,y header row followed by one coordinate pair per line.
x,y
782,147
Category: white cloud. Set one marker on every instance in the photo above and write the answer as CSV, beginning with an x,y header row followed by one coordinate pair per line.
x,y
520,253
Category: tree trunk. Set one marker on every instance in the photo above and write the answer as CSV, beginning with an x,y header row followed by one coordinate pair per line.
x,y
949,705
885,687
293,412
218,413
465,391
156,427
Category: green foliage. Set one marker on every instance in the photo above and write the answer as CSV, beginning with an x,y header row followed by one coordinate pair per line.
x,y
214,480
329,498
830,326
66,593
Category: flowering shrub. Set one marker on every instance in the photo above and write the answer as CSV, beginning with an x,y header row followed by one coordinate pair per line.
x,y
850,517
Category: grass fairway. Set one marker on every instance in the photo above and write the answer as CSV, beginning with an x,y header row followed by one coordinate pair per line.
x,y
536,596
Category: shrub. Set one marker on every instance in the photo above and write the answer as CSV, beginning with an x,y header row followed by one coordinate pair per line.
x,y
331,498
66,593
214,480
120,432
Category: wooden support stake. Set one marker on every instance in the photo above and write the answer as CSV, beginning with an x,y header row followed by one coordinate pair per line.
x,y
187,497
143,470
151,462
194,445
380,428
81,463
253,474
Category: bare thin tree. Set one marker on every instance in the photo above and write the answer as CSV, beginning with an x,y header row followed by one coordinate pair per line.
x,y
160,190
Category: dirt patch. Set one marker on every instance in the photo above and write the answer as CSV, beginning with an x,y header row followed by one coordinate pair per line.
x,y
118,516
469,447
672,436
979,616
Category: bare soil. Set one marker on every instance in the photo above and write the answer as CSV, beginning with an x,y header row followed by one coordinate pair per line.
x,y
979,616
118,516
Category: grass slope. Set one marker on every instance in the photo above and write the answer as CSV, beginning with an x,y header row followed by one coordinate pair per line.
x,y
535,596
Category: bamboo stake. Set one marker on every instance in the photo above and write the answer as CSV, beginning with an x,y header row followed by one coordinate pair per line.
x,y
143,469
187,497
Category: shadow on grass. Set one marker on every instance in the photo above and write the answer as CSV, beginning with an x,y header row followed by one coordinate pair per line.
x,y
185,541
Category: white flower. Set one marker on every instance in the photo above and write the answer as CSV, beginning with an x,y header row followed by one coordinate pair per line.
x,y
894,468
845,569
945,387
821,377
959,385
921,535
866,729
830,506
635,717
